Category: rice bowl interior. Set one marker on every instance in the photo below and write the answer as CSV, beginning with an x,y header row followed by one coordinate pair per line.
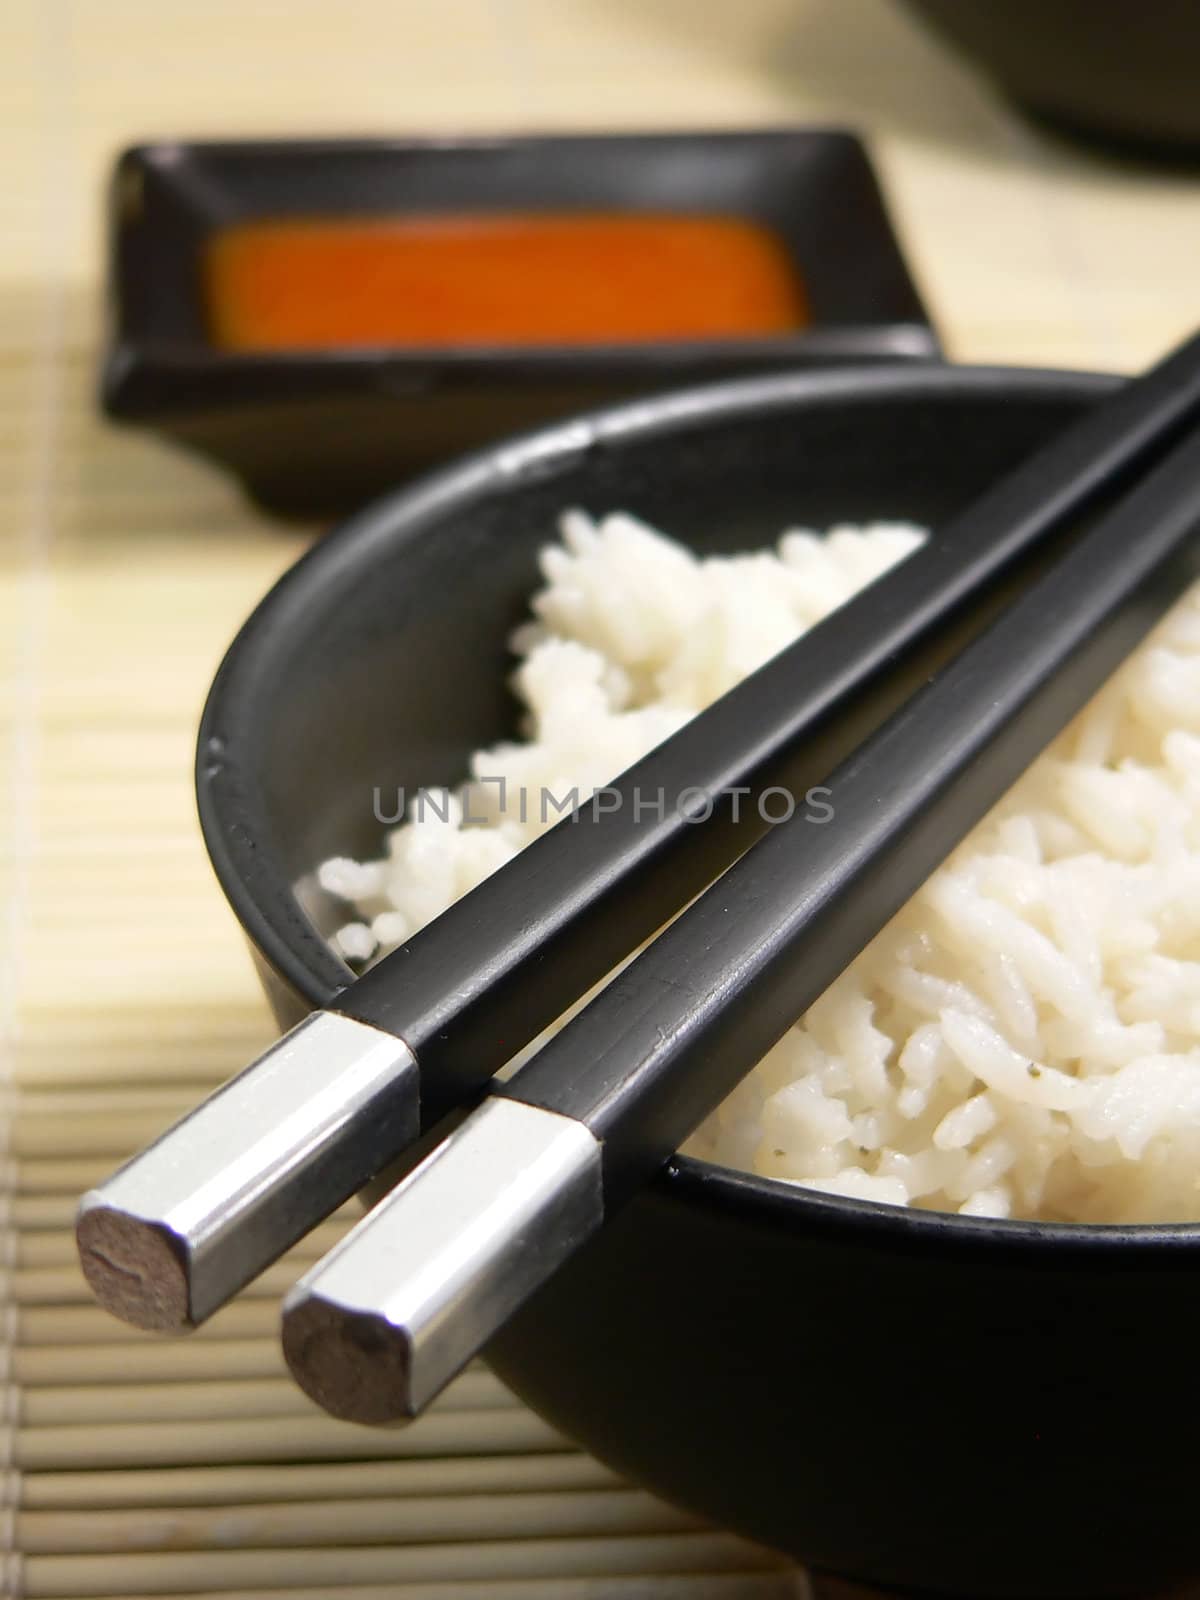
x,y
1023,1040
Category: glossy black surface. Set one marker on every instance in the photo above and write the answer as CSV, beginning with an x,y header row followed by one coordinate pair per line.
x,y
930,1402
1124,75
311,433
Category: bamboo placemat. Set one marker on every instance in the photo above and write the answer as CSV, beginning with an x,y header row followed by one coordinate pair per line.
x,y
135,1467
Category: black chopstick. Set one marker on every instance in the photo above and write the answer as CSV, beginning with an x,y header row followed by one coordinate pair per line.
x,y
379,1326
186,1224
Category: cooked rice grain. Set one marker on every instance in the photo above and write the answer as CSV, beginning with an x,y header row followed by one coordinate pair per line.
x,y
1024,1038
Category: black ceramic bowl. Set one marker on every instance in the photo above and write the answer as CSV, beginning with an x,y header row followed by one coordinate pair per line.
x,y
1105,70
931,1402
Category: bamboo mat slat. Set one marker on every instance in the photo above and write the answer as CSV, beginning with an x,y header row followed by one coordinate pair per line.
x,y
611,1586
311,1569
199,1400
321,1523
445,1431
134,1467
391,1480
185,1361
38,1327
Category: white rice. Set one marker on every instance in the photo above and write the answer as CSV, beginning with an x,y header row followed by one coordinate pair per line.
x,y
1024,1038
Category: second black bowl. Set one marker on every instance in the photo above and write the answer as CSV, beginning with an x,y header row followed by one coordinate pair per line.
x,y
1104,70
938,1403
316,431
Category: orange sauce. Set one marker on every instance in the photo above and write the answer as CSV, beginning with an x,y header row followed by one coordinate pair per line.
x,y
567,278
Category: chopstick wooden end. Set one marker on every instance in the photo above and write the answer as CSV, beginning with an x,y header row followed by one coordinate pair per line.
x,y
134,1268
353,1365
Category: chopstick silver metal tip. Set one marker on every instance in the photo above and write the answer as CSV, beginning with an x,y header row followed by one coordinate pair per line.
x,y
395,1310
193,1218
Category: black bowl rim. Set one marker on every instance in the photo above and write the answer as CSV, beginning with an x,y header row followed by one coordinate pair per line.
x,y
266,906
142,380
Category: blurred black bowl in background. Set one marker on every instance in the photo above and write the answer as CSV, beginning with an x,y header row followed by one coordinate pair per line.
x,y
1110,70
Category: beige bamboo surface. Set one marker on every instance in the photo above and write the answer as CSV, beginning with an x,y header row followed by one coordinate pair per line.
x,y
133,1467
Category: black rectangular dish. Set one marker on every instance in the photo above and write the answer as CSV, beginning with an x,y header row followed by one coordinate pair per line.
x,y
316,432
